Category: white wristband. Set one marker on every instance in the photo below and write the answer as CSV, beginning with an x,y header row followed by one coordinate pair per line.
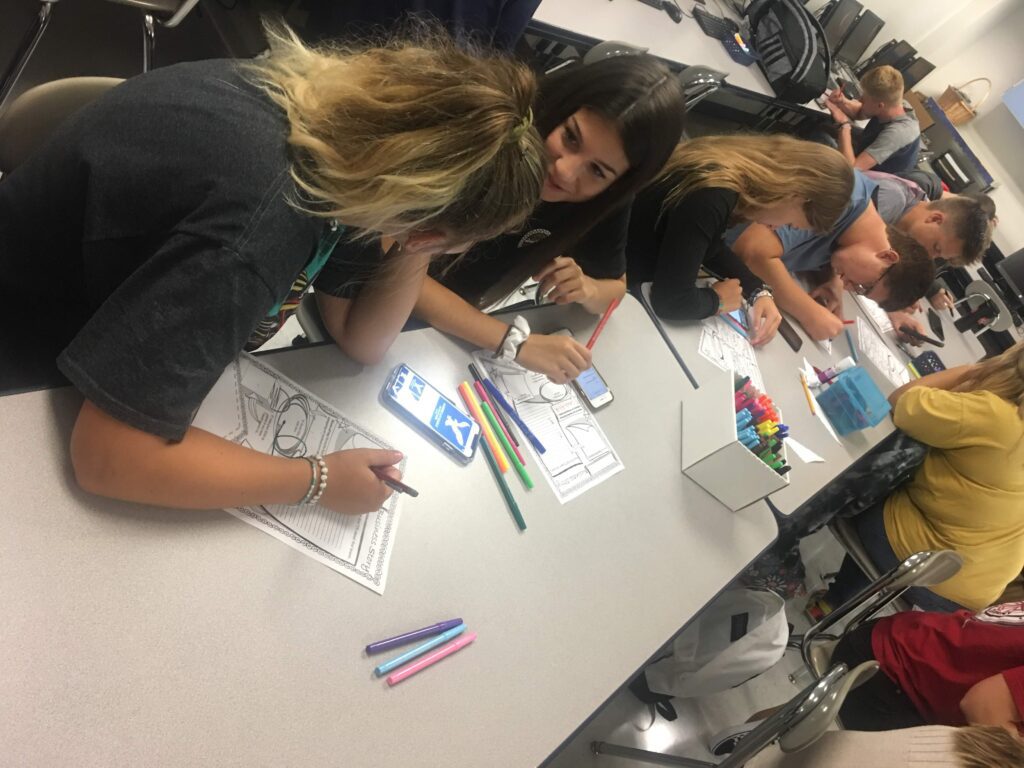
x,y
516,335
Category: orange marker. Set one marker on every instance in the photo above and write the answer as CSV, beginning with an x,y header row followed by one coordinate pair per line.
x,y
466,392
484,398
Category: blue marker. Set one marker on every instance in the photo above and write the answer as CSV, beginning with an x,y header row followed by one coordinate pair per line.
x,y
500,399
433,642
743,418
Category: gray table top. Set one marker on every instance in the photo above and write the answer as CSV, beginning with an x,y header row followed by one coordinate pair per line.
x,y
136,635
779,364
632,22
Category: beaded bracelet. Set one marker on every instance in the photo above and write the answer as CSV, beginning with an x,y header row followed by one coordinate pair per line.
x,y
312,481
322,478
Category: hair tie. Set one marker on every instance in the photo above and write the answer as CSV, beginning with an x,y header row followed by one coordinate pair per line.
x,y
522,126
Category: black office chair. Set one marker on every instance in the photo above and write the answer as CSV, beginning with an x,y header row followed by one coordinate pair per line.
x,y
698,83
795,725
36,113
167,13
27,359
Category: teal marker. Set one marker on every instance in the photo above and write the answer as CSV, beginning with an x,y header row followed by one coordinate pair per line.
x,y
433,642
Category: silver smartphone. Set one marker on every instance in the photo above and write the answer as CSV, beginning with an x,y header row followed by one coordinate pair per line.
x,y
590,385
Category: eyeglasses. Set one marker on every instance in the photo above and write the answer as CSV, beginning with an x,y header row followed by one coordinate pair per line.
x,y
864,290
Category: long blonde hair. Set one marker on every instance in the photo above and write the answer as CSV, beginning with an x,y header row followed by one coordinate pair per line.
x,y
987,746
405,135
1002,375
764,170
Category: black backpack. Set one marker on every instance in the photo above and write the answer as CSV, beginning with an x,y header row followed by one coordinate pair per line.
x,y
793,52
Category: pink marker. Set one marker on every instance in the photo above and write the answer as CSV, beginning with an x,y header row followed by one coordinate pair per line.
x,y
431,658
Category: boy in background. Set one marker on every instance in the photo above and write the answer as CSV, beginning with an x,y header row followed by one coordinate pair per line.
x,y
892,138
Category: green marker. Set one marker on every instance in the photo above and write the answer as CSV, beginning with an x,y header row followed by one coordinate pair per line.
x,y
505,444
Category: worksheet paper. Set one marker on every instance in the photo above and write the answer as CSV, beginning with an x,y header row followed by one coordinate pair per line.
x,y
878,316
872,347
724,347
255,406
577,453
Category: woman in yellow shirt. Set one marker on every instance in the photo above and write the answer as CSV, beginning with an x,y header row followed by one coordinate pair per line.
x,y
967,495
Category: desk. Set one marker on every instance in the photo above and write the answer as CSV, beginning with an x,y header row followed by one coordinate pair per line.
x,y
779,364
634,22
142,636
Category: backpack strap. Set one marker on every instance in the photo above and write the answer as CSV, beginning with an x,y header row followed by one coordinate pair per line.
x,y
756,10
815,34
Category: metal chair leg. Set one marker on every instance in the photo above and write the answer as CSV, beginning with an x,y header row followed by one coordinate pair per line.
x,y
25,48
148,41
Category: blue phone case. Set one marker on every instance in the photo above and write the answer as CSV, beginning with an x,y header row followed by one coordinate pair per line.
x,y
448,427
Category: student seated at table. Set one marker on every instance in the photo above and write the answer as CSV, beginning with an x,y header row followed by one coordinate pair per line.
x,y
967,495
176,221
954,669
892,138
955,229
609,127
864,254
712,182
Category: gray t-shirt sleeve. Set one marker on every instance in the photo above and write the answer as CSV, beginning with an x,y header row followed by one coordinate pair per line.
x,y
156,346
894,136
895,196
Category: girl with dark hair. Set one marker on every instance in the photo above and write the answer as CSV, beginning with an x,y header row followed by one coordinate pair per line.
x,y
608,126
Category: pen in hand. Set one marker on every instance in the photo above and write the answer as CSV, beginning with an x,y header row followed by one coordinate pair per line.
x,y
395,485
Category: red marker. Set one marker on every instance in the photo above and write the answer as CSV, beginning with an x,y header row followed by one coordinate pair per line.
x,y
603,322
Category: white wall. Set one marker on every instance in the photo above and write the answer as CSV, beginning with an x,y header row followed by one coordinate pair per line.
x,y
995,135
938,29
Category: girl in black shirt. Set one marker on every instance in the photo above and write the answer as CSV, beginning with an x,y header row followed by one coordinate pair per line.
x,y
173,222
708,185
609,126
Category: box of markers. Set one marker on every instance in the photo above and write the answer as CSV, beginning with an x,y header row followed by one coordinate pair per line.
x,y
733,441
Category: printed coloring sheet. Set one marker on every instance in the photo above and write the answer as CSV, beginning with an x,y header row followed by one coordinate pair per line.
x,y
723,346
577,453
255,406
880,355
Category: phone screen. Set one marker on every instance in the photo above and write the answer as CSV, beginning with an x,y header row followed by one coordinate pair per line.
x,y
591,384
433,410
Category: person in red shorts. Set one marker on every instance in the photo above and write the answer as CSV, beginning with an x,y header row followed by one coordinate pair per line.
x,y
956,669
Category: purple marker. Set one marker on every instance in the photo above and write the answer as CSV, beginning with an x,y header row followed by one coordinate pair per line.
x,y
408,637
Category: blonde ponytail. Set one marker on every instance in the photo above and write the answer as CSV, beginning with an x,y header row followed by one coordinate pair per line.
x,y
764,170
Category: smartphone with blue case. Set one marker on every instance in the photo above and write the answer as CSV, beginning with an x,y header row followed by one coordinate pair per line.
x,y
410,397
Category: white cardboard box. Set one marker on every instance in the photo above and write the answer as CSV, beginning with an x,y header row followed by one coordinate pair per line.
x,y
714,457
